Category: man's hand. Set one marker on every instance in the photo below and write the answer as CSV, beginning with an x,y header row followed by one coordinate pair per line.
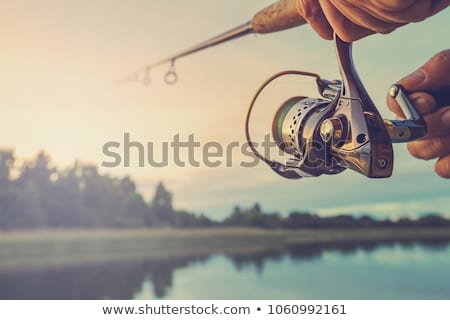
x,y
355,19
429,89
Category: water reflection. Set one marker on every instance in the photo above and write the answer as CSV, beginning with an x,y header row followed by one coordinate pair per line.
x,y
314,251
126,279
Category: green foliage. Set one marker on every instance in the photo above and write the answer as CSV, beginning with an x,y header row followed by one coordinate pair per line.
x,y
36,194
253,217
41,196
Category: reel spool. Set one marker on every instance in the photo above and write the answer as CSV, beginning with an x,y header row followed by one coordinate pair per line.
x,y
296,130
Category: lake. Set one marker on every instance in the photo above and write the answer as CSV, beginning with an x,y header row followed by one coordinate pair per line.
x,y
369,270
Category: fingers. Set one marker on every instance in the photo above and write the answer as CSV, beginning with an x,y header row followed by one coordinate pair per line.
x,y
392,5
312,12
428,149
355,19
424,102
340,21
325,19
438,123
432,76
437,142
439,5
399,11
428,83
443,167
436,145
363,13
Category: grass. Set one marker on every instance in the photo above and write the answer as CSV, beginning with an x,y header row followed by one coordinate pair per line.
x,y
35,249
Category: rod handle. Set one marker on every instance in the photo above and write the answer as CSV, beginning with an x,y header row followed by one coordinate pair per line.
x,y
279,16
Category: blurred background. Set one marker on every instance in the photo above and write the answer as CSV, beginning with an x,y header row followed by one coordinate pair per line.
x,y
72,229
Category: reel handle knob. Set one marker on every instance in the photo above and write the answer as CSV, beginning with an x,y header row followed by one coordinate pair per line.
x,y
414,127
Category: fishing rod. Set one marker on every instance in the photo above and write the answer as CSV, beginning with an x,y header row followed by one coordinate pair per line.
x,y
278,16
342,129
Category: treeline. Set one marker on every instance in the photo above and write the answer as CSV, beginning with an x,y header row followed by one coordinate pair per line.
x,y
36,194
255,217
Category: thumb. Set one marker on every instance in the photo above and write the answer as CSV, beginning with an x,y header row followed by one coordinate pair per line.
x,y
429,86
432,76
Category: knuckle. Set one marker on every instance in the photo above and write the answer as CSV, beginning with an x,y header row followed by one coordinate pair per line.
x,y
414,150
427,149
442,59
346,36
309,10
385,30
437,147
434,149
443,167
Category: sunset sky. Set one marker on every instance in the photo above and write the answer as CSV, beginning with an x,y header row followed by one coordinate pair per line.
x,y
60,65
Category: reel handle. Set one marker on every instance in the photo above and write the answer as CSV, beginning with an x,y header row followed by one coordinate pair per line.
x,y
414,127
367,146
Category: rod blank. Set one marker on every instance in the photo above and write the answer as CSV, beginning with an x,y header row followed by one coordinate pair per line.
x,y
234,33
279,16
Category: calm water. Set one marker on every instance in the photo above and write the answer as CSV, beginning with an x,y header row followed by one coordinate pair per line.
x,y
346,271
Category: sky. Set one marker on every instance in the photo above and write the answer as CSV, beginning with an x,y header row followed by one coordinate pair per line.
x,y
61,62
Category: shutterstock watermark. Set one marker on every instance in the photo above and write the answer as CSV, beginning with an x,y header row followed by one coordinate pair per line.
x,y
183,152
188,152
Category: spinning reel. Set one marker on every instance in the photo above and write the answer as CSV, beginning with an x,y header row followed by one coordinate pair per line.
x,y
341,130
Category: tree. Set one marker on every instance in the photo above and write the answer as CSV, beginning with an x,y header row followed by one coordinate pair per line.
x,y
7,161
161,207
34,194
7,189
